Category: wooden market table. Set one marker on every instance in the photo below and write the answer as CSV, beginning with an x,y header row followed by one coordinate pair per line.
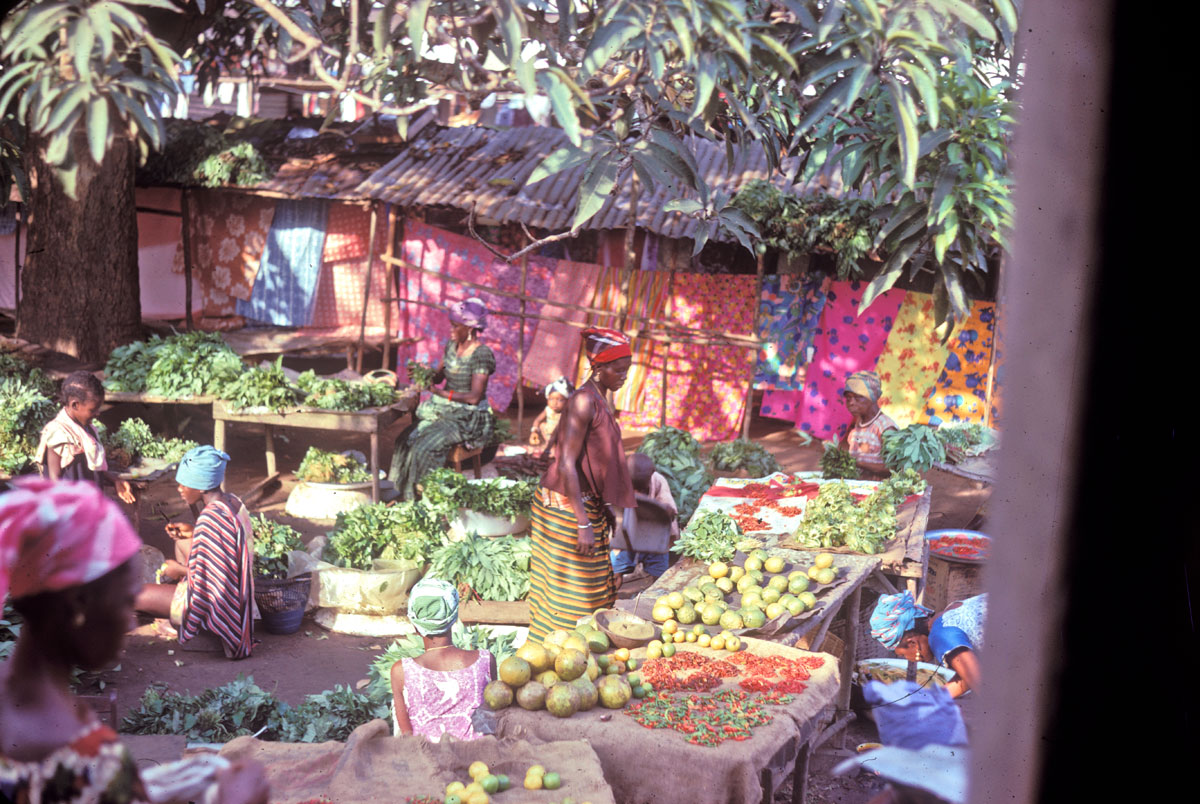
x,y
168,403
659,766
369,421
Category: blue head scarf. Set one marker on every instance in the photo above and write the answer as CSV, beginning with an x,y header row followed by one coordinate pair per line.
x,y
894,616
202,468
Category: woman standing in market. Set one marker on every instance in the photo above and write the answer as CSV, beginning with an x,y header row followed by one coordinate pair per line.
x,y
951,639
213,588
455,414
864,439
68,557
70,447
581,495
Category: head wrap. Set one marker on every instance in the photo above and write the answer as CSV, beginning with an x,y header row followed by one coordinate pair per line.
x,y
605,345
432,606
202,468
470,312
894,616
559,386
864,383
58,534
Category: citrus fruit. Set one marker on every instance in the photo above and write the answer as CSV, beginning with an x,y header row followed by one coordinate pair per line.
x,y
504,782
632,664
490,783
497,695
514,671
621,654
676,599
690,637
472,788
718,569
754,618
771,595
563,700
703,640
825,575
597,640
452,798
634,679
798,584
654,650
662,612
668,650
478,797
551,781
538,657
760,554
454,787
718,642
614,692
693,594
640,692
778,582
752,564
613,669
533,781
670,626
588,697
531,696
823,560
539,770
593,669
773,564
547,679
808,599
736,573
686,614
570,664
794,606
774,610
710,616
744,583
733,644
752,600
556,638
678,637
724,585
603,661
476,770
812,571
731,619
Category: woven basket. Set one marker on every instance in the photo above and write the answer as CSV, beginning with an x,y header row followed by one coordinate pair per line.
x,y
282,602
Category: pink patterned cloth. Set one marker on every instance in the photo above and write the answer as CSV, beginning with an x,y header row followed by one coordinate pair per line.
x,y
339,300
555,349
847,342
441,701
57,534
459,258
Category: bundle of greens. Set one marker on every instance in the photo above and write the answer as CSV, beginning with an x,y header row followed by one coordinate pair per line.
x,y
13,364
743,454
132,442
903,484
487,569
838,463
176,367
410,646
328,393
262,388
330,715
676,457
320,466
961,440
834,519
444,491
24,411
915,447
403,531
712,536
272,543
501,430
420,375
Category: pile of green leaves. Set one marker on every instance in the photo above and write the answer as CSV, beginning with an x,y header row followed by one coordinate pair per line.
x,y
501,430
712,536
411,646
904,483
405,530
240,164
320,466
834,519
444,491
328,393
13,365
262,388
24,411
176,367
272,543
488,569
241,707
743,454
915,447
676,456
420,375
133,441
961,440
838,463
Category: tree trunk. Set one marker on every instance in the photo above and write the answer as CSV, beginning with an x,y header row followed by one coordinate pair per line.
x,y
80,292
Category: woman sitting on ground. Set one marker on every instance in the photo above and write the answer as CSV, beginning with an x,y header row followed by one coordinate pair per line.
x,y
864,439
214,566
951,639
455,414
70,447
68,558
435,693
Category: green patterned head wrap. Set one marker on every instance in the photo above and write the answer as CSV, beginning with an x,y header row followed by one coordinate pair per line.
x,y
432,606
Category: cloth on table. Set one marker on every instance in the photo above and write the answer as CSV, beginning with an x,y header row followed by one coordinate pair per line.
x,y
847,342
440,702
443,423
372,766
228,236
93,768
286,285
339,299
459,259
706,389
789,316
220,596
78,447
564,585
554,350
961,391
911,360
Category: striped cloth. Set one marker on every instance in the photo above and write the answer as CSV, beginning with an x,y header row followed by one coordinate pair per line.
x,y
220,578
564,585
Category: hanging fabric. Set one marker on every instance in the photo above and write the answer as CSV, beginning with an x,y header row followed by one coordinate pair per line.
x,y
960,394
554,352
344,270
789,316
229,235
286,286
911,360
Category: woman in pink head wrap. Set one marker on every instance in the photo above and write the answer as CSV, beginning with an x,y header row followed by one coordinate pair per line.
x,y
67,557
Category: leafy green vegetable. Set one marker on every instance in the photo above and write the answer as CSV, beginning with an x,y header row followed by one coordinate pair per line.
x,y
834,519
272,543
838,463
262,388
320,466
24,411
327,393
405,530
13,364
676,456
411,646
501,430
330,715
420,374
915,447
444,491
712,536
176,367
743,454
133,441
491,569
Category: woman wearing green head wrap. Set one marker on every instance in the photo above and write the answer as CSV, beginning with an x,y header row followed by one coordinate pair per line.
x,y
864,439
436,692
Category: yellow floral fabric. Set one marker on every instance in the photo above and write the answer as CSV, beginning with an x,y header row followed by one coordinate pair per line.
x,y
911,361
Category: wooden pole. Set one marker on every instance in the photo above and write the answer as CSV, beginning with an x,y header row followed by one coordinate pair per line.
x,y
362,327
17,264
521,353
388,252
185,231
747,413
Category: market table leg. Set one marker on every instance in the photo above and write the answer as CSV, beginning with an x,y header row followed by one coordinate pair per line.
x,y
374,466
849,655
270,450
219,440
800,776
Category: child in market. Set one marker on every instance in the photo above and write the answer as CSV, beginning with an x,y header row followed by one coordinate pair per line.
x,y
649,487
542,431
70,447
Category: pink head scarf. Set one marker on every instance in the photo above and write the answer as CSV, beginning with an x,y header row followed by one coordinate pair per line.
x,y
58,534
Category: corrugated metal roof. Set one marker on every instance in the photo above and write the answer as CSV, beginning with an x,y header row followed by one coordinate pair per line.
x,y
336,178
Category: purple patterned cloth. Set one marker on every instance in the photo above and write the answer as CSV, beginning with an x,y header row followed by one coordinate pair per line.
x,y
441,701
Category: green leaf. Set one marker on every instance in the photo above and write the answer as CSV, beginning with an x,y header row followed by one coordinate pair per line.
x,y
562,104
607,42
80,40
562,159
68,102
97,128
829,20
971,16
597,185
957,294
39,20
904,214
687,206
909,141
60,142
418,11
926,89
706,79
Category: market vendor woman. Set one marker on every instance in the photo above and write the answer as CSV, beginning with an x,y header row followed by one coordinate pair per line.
x,y
582,495
951,639
864,439
457,413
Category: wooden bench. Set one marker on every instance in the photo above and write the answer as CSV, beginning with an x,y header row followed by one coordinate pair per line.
x,y
459,454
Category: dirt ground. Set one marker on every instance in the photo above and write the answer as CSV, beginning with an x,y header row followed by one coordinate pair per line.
x,y
314,659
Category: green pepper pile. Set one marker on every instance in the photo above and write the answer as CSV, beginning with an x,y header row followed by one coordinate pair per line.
x,y
708,718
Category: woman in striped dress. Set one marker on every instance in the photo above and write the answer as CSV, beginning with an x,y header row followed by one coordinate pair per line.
x,y
581,497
